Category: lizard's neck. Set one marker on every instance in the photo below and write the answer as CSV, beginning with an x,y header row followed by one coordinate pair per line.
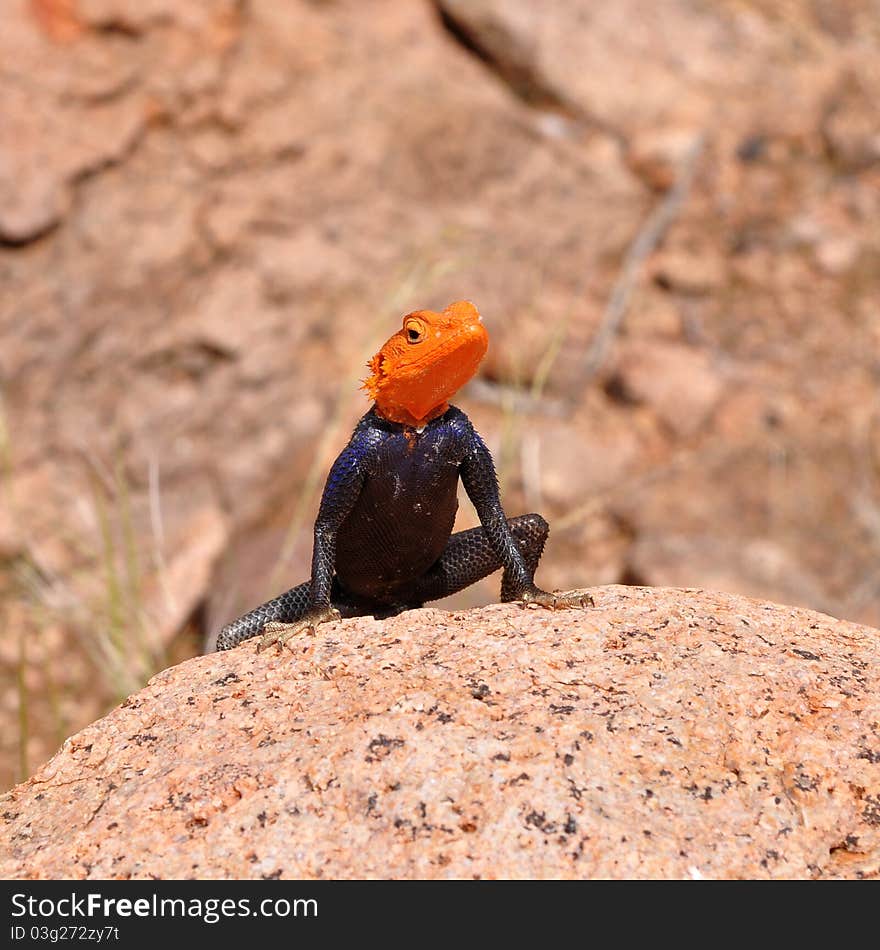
x,y
405,417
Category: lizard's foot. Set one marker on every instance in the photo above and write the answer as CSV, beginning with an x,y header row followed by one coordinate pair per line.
x,y
275,633
556,600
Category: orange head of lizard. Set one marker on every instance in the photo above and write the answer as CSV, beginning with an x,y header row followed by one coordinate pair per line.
x,y
426,362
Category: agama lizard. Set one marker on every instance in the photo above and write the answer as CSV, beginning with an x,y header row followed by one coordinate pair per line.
x,y
383,540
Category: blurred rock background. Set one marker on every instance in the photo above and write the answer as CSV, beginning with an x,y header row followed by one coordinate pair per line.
x,y
213,212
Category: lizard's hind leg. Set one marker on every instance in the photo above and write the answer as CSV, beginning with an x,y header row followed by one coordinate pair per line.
x,y
282,611
286,608
468,558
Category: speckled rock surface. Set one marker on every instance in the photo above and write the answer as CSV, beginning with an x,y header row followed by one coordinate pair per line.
x,y
665,733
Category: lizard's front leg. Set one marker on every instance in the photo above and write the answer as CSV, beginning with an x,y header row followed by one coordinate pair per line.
x,y
340,494
519,560
319,609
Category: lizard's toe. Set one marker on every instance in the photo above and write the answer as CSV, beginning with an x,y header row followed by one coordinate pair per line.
x,y
278,634
275,633
557,600
574,599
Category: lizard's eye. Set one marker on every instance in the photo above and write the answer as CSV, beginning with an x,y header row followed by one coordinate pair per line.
x,y
414,330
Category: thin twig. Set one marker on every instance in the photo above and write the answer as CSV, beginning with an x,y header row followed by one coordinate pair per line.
x,y
649,236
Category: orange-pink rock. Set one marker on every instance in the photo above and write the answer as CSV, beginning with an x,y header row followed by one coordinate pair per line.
x,y
664,733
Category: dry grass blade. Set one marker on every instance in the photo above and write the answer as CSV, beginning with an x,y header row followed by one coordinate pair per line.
x,y
649,236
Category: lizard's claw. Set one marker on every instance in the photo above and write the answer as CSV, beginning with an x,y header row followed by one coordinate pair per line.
x,y
275,633
557,600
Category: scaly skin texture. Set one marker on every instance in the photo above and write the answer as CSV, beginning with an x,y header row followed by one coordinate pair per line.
x,y
383,538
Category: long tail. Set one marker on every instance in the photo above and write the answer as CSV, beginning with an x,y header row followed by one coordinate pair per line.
x,y
286,608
